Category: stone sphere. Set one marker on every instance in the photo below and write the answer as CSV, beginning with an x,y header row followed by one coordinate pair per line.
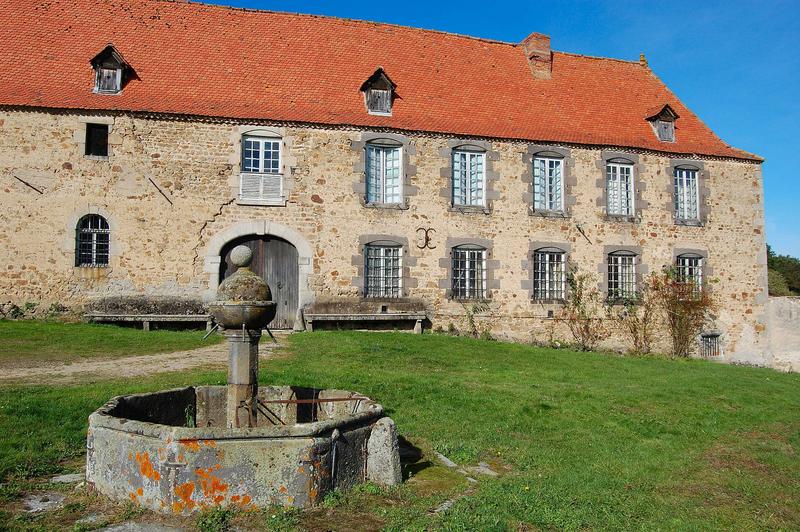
x,y
241,256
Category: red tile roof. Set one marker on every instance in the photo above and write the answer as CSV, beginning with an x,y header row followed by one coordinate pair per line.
x,y
198,59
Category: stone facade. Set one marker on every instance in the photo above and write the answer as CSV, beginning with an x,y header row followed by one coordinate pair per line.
x,y
168,191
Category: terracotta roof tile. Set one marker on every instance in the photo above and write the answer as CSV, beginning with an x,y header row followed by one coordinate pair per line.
x,y
208,60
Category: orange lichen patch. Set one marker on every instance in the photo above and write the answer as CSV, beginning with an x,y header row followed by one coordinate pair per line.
x,y
235,498
283,489
313,494
181,457
140,492
132,496
146,467
192,445
211,485
184,492
209,443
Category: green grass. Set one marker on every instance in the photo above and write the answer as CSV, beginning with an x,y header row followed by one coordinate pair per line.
x,y
24,343
590,440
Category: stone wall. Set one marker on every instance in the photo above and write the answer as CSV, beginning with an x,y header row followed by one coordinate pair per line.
x,y
784,333
169,188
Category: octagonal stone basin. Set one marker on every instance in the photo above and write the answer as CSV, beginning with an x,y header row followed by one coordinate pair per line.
x,y
170,451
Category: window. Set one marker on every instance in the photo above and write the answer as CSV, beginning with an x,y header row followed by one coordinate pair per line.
x,y
379,101
621,276
384,175
261,177
548,184
97,140
549,274
108,80
709,345
619,188
469,178
469,272
686,195
92,241
665,129
383,270
689,270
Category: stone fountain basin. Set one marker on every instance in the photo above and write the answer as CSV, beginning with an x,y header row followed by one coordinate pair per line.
x,y
170,451
253,314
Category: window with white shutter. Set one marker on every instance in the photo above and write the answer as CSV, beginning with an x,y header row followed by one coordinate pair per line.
x,y
261,179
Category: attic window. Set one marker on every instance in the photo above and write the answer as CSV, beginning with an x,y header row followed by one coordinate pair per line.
x,y
663,122
378,93
110,71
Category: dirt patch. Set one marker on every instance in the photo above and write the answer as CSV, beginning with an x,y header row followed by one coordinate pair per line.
x,y
323,520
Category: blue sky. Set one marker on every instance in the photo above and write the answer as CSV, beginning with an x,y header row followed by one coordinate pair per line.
x,y
735,64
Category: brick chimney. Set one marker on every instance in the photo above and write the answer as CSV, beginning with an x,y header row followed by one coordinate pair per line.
x,y
540,58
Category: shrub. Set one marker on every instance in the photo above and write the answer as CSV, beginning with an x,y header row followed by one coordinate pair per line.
x,y
638,319
582,311
777,284
688,309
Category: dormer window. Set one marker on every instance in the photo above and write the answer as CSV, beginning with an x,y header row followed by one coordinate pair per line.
x,y
663,121
110,71
379,93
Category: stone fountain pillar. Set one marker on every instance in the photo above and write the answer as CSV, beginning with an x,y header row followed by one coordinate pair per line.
x,y
243,308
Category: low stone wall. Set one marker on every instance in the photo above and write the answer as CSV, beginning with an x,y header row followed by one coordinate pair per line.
x,y
784,332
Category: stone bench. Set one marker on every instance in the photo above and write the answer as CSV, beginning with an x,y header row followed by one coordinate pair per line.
x,y
416,317
147,319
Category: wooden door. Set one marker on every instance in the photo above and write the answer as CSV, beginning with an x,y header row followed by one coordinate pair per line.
x,y
275,260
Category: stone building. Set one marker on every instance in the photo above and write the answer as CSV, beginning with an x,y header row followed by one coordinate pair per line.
x,y
372,167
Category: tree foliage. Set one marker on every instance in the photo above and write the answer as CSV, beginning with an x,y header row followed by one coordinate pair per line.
x,y
788,267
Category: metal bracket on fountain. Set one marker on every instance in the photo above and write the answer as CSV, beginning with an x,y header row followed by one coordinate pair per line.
x,y
243,308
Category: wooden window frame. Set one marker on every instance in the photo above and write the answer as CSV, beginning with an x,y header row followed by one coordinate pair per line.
x,y
549,206
468,201
616,177
383,272
474,272
84,229
382,198
555,282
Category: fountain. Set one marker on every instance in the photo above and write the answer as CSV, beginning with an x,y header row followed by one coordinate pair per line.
x,y
239,445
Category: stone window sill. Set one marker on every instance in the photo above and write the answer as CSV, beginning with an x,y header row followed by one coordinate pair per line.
x,y
390,206
470,209
622,218
689,223
277,202
548,214
97,157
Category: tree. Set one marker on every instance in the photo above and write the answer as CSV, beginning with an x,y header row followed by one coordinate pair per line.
x,y
788,267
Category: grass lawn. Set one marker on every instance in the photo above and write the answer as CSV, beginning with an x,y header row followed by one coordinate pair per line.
x,y
582,440
25,343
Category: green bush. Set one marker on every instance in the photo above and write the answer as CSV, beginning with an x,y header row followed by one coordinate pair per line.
x,y
777,284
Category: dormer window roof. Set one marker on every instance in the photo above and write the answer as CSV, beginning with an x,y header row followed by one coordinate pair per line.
x,y
111,71
379,93
662,119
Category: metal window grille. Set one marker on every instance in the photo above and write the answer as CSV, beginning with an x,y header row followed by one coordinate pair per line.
x,y
548,188
686,195
549,275
379,101
689,270
383,271
96,140
621,276
619,188
108,80
469,178
261,177
384,183
709,345
92,241
469,273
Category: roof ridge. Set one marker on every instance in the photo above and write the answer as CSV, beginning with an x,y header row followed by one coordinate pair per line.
x,y
599,57
333,17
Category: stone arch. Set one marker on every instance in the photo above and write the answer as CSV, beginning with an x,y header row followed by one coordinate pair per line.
x,y
213,258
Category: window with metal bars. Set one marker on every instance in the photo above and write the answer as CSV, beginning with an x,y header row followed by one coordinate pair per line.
x,y
689,270
384,174
687,198
469,178
383,270
709,345
548,184
92,241
619,188
549,275
469,272
622,276
261,177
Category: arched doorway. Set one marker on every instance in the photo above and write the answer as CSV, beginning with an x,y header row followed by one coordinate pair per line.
x,y
276,261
